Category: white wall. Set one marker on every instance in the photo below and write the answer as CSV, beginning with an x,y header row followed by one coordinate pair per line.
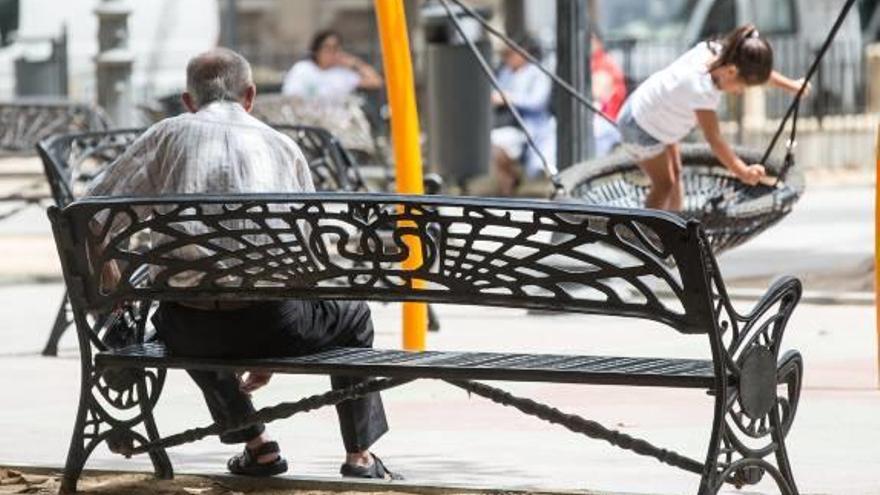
x,y
541,20
164,34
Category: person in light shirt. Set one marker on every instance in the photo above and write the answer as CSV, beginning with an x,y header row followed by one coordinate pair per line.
x,y
529,91
330,72
217,147
668,105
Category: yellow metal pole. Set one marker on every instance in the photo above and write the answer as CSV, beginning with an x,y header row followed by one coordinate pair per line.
x,y
405,136
877,250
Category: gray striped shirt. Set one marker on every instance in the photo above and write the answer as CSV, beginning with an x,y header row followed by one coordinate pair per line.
x,y
220,149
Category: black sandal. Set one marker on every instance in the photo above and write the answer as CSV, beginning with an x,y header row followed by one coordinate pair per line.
x,y
246,464
376,470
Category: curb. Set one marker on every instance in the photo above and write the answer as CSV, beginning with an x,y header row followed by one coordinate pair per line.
x,y
307,483
31,279
826,298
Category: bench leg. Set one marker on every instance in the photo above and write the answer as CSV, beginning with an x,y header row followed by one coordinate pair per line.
x,y
433,319
162,467
747,439
711,482
62,322
111,406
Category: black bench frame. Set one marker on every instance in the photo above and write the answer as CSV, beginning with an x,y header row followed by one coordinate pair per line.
x,y
513,253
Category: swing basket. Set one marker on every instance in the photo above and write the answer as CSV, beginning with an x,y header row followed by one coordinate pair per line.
x,y
730,212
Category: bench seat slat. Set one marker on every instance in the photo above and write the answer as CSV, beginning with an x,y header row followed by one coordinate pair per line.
x,y
683,373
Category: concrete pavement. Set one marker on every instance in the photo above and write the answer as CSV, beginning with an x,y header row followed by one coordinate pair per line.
x,y
440,435
827,241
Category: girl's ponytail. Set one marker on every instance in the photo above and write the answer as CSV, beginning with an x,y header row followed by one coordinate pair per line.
x,y
748,52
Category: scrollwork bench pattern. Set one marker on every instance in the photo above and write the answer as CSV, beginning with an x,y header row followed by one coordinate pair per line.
x,y
572,258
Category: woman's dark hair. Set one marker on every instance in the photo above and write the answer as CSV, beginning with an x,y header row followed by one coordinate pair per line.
x,y
530,45
748,52
319,38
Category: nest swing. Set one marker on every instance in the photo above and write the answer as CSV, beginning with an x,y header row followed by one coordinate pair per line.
x,y
730,211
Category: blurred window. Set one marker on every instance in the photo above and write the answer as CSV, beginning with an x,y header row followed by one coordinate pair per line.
x,y
644,19
776,17
721,19
8,20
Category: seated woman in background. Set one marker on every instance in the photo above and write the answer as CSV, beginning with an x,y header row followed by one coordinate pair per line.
x,y
529,91
330,72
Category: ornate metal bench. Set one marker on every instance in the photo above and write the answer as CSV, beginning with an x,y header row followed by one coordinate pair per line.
x,y
515,253
71,161
23,124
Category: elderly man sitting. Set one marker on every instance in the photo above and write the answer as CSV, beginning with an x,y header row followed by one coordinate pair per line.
x,y
219,148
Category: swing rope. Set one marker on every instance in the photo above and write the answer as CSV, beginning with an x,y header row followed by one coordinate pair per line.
x,y
792,111
549,169
513,45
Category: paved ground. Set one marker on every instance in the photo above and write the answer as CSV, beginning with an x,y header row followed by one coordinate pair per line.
x,y
828,241
440,435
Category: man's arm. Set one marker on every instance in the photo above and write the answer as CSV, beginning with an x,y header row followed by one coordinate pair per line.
x,y
128,175
131,173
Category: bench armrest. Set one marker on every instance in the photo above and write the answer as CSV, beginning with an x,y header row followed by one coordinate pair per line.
x,y
782,288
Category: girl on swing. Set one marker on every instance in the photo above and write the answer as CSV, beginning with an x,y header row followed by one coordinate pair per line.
x,y
666,107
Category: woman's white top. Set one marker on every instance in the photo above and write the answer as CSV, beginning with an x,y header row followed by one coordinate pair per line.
x,y
665,103
528,89
306,80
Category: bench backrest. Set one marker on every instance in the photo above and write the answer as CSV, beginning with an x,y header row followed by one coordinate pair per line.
x,y
344,118
23,124
71,161
515,253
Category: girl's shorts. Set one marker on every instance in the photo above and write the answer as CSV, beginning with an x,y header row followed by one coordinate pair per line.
x,y
635,141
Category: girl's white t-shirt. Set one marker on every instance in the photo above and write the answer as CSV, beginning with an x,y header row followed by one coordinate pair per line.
x,y
306,80
665,103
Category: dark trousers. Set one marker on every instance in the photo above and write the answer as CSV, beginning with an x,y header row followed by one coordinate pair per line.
x,y
273,329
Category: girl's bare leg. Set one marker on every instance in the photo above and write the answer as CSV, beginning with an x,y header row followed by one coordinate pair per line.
x,y
505,172
659,171
676,196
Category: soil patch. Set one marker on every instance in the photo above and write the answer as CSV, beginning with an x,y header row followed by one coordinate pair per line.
x,y
39,482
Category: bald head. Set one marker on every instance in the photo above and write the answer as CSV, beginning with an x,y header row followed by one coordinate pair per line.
x,y
218,75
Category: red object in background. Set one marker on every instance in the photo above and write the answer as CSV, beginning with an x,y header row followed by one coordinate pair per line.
x,y
603,66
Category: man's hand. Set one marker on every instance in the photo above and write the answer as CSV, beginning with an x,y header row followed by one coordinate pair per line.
x,y
110,275
254,381
752,174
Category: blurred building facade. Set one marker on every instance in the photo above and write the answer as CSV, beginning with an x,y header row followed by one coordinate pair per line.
x,y
163,34
273,34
